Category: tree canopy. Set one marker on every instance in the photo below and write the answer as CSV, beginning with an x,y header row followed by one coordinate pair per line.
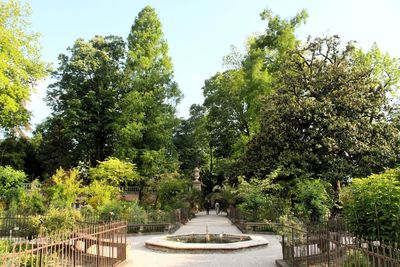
x,y
85,97
329,114
148,116
20,65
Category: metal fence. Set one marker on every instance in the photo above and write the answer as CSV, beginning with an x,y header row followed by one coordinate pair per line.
x,y
88,245
178,217
326,246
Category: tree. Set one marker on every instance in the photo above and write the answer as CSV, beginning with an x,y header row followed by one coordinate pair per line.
x,y
227,110
20,65
13,152
85,97
148,108
233,98
328,117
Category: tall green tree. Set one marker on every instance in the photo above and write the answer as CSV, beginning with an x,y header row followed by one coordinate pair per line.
x,y
233,98
148,108
329,114
85,97
20,65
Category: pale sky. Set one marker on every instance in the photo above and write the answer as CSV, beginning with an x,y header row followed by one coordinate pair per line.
x,y
200,32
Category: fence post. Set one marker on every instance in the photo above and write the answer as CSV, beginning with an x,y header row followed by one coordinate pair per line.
x,y
308,248
328,245
73,253
292,246
98,247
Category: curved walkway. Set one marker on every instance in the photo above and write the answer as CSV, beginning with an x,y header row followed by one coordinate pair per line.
x,y
140,256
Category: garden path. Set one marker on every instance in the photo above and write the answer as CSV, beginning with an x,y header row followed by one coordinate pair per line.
x,y
140,256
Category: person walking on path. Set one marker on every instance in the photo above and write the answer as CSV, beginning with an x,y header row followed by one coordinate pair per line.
x,y
207,206
216,205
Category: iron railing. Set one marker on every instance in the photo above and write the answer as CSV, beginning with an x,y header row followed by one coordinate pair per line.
x,y
322,246
91,245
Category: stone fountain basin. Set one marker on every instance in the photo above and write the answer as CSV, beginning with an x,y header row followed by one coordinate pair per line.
x,y
163,244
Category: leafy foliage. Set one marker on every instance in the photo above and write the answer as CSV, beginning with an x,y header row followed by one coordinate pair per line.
x,y
312,200
126,211
11,178
258,200
371,206
254,201
11,182
147,118
59,220
21,154
114,172
32,201
20,65
99,194
171,191
52,145
191,141
328,116
64,189
85,98
233,99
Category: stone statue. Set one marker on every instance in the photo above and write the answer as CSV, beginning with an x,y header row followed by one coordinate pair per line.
x,y
196,183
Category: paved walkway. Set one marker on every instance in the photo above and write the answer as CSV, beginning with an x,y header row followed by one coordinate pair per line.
x,y
216,224
140,256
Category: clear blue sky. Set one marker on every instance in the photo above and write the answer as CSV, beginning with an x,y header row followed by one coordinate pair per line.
x,y
200,32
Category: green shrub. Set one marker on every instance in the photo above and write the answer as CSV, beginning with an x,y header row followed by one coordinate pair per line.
x,y
5,246
371,206
10,178
100,194
312,200
253,202
124,210
11,182
12,199
172,193
158,216
64,189
114,172
59,220
32,202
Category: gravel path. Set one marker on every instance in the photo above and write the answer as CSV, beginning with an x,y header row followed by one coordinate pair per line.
x,y
140,256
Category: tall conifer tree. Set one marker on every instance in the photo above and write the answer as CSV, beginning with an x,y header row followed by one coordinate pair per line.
x,y
148,108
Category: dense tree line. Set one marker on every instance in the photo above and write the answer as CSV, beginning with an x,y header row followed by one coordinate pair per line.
x,y
285,125
110,97
317,109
